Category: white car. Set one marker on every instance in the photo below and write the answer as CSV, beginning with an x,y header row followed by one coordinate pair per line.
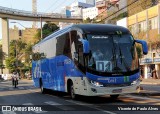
x,y
6,76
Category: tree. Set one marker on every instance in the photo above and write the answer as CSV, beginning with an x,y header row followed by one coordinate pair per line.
x,y
2,56
16,50
88,20
28,52
139,51
47,29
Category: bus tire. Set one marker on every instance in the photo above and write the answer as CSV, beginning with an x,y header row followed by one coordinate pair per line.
x,y
114,96
43,90
72,93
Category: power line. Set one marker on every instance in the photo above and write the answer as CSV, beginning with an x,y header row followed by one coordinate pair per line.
x,y
51,5
118,10
126,7
64,3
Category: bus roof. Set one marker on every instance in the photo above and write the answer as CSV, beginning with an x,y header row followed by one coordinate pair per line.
x,y
100,28
88,28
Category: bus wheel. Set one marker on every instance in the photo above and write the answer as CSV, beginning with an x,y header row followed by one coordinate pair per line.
x,y
114,96
72,93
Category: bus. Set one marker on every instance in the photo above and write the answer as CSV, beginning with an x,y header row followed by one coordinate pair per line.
x,y
88,60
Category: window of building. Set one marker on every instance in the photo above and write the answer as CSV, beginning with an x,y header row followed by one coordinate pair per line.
x,y
153,22
142,26
132,29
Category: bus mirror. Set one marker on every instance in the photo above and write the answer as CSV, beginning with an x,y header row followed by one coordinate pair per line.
x,y
144,45
85,46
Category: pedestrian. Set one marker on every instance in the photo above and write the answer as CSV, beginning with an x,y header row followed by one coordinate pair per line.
x,y
154,72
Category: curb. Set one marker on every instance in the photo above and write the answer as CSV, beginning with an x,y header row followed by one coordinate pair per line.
x,y
149,83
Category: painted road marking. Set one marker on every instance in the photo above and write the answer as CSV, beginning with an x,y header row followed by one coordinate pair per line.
x,y
58,105
91,106
21,88
138,97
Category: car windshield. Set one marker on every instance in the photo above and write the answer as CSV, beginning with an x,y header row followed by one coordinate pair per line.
x,y
112,53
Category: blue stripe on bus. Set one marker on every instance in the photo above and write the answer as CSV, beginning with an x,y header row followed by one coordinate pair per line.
x,y
113,80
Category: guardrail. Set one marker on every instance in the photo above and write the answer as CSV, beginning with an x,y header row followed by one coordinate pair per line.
x,y
38,14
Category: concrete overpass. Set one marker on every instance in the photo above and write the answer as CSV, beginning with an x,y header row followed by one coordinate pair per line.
x,y
9,13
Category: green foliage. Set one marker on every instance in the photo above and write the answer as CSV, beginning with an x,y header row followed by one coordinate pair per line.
x,y
2,56
139,51
47,29
16,50
38,35
88,20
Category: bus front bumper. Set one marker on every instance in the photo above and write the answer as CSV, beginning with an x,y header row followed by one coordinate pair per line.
x,y
97,91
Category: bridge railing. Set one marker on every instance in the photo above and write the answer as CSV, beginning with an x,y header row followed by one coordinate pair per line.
x,y
38,14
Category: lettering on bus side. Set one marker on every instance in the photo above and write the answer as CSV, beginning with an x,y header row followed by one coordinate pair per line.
x,y
109,80
67,61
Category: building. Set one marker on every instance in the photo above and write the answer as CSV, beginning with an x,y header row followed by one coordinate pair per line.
x,y
66,11
139,5
93,2
76,8
14,33
145,25
116,11
63,25
91,13
27,35
105,8
102,9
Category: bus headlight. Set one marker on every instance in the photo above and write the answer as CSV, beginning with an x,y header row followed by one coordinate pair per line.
x,y
95,83
135,82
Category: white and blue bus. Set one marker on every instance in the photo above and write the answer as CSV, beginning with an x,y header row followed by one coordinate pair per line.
x,y
67,61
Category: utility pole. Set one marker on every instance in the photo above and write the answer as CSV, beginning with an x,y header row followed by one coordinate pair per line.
x,y
34,11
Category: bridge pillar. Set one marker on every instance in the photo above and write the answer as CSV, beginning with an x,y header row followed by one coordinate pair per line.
x,y
5,40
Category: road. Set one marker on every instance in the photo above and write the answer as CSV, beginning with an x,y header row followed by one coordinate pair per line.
x,y
61,103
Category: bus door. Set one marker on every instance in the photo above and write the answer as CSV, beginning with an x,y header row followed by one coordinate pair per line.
x,y
78,58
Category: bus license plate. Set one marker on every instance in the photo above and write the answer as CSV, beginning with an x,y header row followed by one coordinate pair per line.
x,y
117,91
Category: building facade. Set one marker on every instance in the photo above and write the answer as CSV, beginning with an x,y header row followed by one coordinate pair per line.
x,y
76,8
90,13
93,2
119,8
66,11
145,25
27,35
140,5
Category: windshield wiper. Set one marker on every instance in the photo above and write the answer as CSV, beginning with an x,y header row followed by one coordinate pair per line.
x,y
123,60
116,68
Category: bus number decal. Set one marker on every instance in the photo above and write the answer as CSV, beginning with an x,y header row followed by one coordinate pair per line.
x,y
103,65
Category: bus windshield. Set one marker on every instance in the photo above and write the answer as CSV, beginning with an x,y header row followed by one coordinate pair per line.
x,y
112,53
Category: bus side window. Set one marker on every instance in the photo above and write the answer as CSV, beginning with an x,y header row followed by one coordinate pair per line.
x,y
80,53
73,45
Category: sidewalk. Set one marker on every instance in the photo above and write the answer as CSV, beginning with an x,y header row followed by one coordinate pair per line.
x,y
151,81
149,88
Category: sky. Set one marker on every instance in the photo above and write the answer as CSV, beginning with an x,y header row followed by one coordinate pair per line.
x,y
46,6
